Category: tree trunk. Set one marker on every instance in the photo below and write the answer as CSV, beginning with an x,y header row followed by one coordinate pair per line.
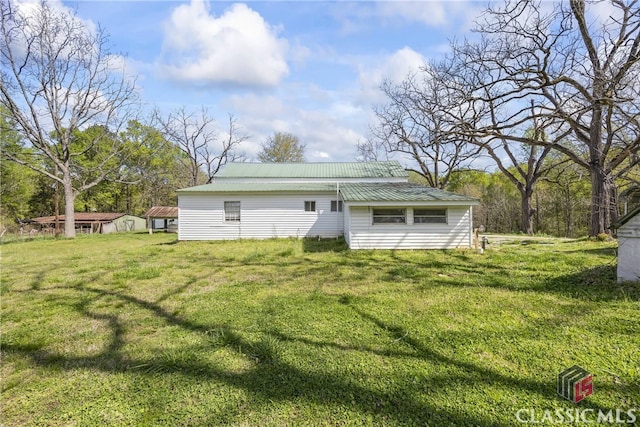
x,y
568,213
69,207
526,225
601,200
56,208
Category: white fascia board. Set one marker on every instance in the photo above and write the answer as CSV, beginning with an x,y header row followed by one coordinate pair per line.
x,y
256,193
416,203
270,180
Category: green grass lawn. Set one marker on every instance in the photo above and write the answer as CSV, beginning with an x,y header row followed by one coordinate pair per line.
x,y
144,330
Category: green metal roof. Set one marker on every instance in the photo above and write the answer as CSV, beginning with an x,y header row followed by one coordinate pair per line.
x,y
398,192
387,169
221,187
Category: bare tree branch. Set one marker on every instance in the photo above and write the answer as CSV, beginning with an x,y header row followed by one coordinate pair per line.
x,y
198,138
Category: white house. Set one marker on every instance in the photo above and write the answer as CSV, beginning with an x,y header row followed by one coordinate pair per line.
x,y
371,204
628,231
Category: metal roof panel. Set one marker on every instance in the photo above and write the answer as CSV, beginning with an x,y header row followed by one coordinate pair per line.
x,y
387,169
398,192
221,187
162,212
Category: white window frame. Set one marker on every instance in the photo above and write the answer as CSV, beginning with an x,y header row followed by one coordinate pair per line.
x,y
232,211
384,216
309,205
430,216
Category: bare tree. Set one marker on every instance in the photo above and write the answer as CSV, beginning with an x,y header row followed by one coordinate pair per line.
x,y
370,150
197,137
523,164
59,77
413,123
581,70
448,119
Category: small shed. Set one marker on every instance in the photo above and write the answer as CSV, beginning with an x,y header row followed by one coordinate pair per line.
x,y
96,222
162,218
628,232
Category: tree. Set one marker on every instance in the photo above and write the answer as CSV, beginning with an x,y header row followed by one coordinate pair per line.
x,y
564,199
153,170
159,176
16,181
524,165
59,78
196,136
281,148
473,183
583,77
413,124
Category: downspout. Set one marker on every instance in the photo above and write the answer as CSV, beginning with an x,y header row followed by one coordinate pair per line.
x,y
338,210
471,226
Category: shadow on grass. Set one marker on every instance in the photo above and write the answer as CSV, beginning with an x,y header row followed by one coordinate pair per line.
x,y
594,284
171,243
612,252
311,245
271,378
591,284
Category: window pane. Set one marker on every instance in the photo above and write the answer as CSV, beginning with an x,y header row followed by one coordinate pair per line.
x,y
430,212
430,216
389,216
388,220
336,206
232,211
429,220
310,206
386,212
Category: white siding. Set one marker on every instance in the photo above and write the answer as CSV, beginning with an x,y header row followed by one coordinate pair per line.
x,y
262,216
362,234
629,250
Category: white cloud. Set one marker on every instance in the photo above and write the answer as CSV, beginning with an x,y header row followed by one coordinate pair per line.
x,y
329,129
394,67
356,17
431,13
320,155
604,13
239,47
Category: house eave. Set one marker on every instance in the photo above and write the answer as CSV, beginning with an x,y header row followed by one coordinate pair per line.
x,y
626,218
414,203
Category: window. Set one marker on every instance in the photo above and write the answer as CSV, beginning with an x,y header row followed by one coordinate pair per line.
x,y
336,206
430,216
232,211
389,216
310,206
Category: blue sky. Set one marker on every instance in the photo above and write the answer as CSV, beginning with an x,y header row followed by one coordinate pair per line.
x,y
311,68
